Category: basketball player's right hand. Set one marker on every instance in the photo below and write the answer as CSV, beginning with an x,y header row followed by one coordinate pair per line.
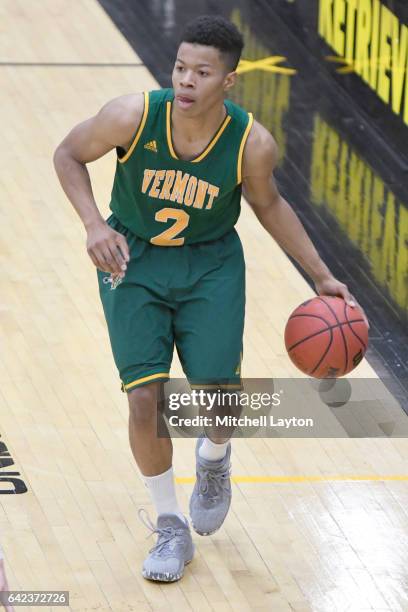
x,y
107,248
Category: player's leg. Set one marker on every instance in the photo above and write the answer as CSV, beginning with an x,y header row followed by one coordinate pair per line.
x,y
208,329
139,321
209,320
153,454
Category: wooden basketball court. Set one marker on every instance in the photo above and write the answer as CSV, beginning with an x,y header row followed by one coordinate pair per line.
x,y
315,524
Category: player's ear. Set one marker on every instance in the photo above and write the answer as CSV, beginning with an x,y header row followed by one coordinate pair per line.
x,y
229,80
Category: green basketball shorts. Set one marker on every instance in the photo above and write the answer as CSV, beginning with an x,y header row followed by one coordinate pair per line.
x,y
192,297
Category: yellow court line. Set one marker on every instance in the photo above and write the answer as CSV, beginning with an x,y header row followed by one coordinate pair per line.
x,y
269,479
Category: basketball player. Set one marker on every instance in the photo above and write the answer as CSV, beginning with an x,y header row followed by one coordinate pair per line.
x,y
170,263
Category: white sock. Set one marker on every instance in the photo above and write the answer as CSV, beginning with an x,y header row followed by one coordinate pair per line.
x,y
163,493
211,451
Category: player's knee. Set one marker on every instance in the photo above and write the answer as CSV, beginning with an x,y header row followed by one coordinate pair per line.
x,y
143,404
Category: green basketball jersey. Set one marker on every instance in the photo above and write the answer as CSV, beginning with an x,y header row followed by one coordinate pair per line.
x,y
168,201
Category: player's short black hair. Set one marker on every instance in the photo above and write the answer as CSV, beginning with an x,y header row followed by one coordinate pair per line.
x,y
215,31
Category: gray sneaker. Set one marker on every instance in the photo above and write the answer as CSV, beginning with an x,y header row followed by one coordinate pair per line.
x,y
173,550
211,497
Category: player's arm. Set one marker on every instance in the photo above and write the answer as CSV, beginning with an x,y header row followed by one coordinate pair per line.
x,y
113,126
277,216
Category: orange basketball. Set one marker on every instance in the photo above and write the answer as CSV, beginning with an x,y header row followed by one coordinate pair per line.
x,y
325,337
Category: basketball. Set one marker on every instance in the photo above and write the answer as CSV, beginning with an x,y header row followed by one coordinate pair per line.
x,y
326,338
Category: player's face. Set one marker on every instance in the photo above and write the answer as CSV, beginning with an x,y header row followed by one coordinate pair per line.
x,y
200,78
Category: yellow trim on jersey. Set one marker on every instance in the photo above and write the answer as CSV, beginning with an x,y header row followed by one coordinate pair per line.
x,y
241,147
238,370
208,148
144,379
214,140
139,131
168,130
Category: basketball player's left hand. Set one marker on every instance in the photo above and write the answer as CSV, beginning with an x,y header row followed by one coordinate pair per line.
x,y
331,286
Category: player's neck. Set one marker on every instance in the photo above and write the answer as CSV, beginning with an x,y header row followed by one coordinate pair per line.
x,y
199,127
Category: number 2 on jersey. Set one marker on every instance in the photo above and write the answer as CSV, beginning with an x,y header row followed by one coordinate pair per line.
x,y
168,237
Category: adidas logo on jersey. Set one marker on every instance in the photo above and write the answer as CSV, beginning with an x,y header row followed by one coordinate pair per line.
x,y
151,146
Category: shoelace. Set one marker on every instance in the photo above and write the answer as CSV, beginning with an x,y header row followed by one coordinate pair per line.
x,y
167,535
217,479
